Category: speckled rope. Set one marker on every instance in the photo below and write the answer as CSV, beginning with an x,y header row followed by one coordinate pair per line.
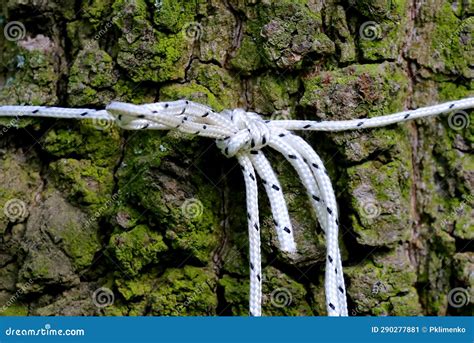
x,y
242,135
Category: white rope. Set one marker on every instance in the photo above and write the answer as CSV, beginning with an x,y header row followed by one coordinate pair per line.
x,y
242,135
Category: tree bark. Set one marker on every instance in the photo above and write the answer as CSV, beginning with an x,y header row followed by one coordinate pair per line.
x,y
99,221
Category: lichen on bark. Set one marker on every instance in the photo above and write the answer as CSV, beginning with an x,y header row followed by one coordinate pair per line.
x,y
159,218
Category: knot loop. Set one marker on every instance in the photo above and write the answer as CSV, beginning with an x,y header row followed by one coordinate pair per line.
x,y
241,134
251,133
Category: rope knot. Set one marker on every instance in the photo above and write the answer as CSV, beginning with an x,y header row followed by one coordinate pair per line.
x,y
251,133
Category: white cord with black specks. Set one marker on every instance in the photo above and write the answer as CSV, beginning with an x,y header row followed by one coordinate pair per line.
x,y
242,135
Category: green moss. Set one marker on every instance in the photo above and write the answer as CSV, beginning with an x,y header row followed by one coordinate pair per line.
x,y
236,293
185,291
447,40
464,264
135,93
90,79
213,46
281,35
84,182
384,33
126,217
167,201
380,198
444,46
145,53
85,140
358,146
96,10
449,212
406,305
224,86
137,248
18,180
174,15
15,310
356,91
337,27
46,265
382,309
166,61
247,59
318,296
378,9
190,91
449,91
136,178
80,242
293,34
196,235
463,222
34,80
138,287
283,296
437,272
373,284
272,95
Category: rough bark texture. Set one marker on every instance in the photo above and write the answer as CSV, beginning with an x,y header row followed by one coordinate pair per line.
x,y
159,219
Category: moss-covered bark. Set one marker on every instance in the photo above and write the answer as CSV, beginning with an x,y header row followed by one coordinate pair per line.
x,y
156,221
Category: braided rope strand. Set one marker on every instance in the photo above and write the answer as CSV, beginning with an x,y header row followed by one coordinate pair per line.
x,y
251,190
242,135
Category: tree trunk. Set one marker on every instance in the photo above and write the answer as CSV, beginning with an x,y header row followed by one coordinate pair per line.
x,y
100,221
